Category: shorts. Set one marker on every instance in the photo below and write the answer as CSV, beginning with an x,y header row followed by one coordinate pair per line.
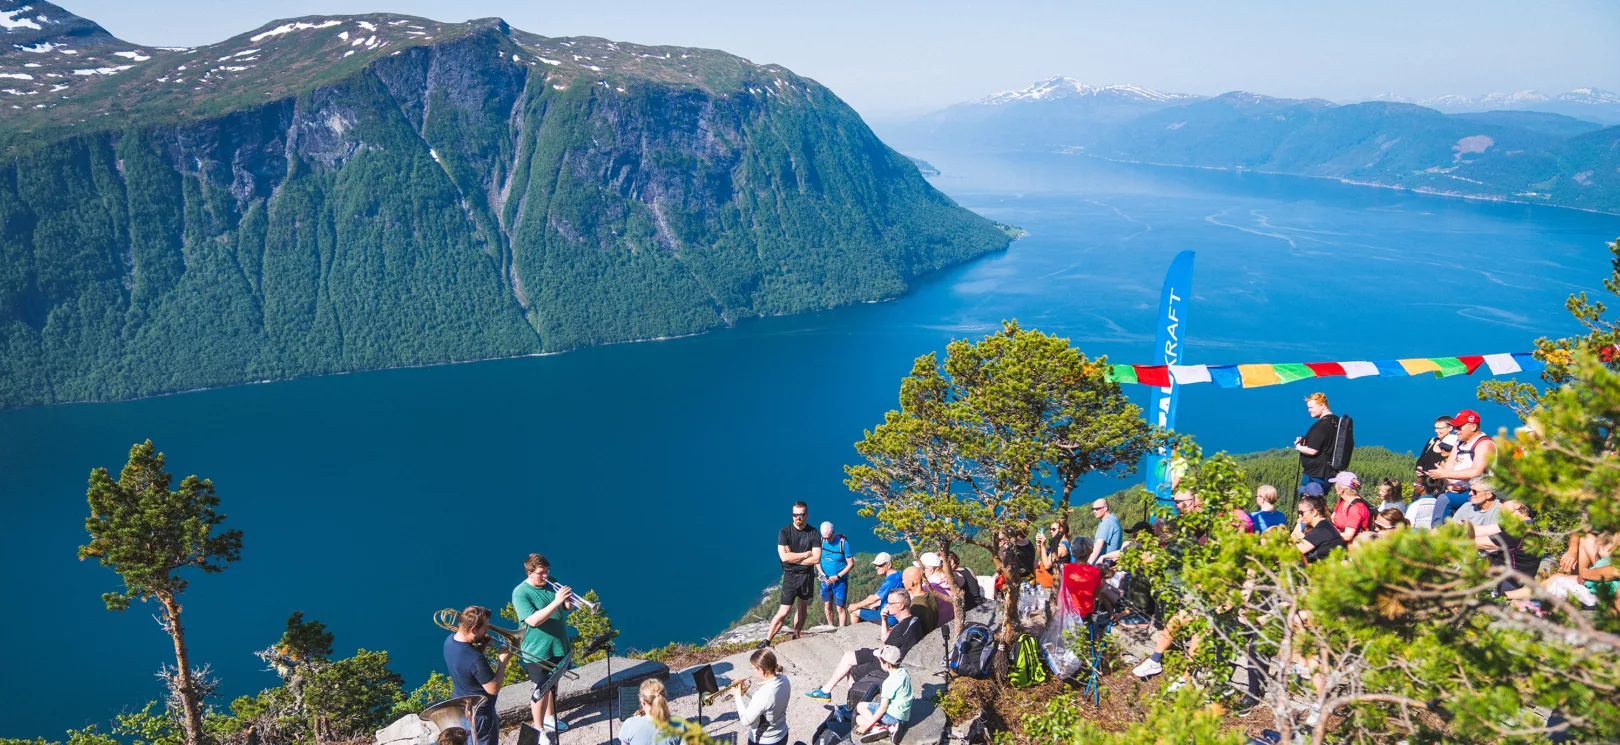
x,y
837,592
796,586
540,675
871,707
866,663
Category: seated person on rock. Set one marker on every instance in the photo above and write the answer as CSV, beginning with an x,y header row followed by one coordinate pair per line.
x,y
875,720
859,663
923,603
871,607
652,724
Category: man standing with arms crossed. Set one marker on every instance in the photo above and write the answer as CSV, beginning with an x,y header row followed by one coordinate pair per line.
x,y
798,546
836,563
543,611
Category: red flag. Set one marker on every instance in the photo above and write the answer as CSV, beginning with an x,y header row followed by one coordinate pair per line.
x,y
1154,375
1325,369
1472,362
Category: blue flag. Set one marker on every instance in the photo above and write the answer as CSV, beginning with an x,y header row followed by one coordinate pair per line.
x,y
1169,343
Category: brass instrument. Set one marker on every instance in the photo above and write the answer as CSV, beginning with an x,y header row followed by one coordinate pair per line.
x,y
741,684
449,620
457,712
579,600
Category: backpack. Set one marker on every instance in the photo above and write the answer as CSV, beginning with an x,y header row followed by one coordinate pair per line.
x,y
971,656
1027,668
1344,444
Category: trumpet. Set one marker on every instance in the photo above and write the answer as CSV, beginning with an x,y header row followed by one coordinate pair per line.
x,y
578,600
740,684
449,620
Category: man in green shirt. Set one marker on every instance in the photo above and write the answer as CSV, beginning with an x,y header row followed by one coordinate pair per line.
x,y
543,611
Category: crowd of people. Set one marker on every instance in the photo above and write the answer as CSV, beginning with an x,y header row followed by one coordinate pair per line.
x,y
1451,483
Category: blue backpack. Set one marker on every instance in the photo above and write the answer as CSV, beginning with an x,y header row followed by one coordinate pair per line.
x,y
971,656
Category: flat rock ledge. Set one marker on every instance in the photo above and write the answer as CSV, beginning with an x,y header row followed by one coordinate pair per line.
x,y
585,699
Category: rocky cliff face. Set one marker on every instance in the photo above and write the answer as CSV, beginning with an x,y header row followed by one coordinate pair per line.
x,y
332,194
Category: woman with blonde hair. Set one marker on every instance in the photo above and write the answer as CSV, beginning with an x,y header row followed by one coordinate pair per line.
x,y
652,724
765,710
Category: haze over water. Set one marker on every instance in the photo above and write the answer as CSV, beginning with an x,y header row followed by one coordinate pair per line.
x,y
658,473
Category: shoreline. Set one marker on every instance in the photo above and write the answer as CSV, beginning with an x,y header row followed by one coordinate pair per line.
x,y
1346,181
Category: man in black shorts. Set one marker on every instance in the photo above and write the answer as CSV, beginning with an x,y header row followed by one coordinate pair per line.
x,y
799,547
859,663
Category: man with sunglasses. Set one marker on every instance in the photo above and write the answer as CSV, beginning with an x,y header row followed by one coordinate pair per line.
x,y
798,546
1110,536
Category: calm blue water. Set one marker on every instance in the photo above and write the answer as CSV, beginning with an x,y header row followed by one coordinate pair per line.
x,y
659,473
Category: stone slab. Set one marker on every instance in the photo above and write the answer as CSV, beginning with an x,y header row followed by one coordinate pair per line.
x,y
586,684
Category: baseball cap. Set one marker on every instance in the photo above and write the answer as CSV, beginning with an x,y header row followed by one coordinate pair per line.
x,y
883,557
1466,416
1345,478
1312,489
890,654
931,559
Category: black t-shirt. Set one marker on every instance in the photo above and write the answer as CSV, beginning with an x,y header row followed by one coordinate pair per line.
x,y
971,594
798,542
469,670
906,634
1511,546
1020,560
1324,538
1428,459
1320,438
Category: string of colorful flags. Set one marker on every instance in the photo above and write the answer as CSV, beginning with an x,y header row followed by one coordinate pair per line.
x,y
1255,376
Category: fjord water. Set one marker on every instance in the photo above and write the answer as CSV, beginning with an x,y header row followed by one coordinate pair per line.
x,y
659,473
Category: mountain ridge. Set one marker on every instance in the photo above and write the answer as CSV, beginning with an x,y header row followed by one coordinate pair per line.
x,y
302,199
1522,155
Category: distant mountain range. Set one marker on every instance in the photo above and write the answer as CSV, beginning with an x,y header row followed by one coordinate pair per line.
x,y
1514,153
1593,104
329,194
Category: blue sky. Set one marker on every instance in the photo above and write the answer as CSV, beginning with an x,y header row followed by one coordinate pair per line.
x,y
893,59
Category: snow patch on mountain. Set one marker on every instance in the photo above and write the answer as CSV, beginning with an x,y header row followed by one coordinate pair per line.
x,y
9,19
1061,86
288,28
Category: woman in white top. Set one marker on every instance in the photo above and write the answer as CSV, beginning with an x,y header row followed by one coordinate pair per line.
x,y
765,711
648,726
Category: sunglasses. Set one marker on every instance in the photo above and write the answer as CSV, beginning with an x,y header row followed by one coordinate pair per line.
x,y
801,514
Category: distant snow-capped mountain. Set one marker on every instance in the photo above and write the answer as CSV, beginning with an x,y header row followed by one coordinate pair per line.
x,y
1054,113
1583,103
1062,86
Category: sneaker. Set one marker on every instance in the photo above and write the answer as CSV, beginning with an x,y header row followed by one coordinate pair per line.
x,y
1148,669
1176,685
818,693
556,725
879,732
763,644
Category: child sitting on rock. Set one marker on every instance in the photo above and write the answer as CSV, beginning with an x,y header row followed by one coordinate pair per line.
x,y
876,720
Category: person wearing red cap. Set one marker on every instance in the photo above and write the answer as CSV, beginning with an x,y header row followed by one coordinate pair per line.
x,y
1470,460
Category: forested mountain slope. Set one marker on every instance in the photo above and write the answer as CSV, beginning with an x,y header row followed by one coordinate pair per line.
x,y
335,194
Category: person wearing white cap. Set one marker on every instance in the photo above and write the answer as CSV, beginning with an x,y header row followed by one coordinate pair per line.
x,y
938,584
1351,514
871,608
876,720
